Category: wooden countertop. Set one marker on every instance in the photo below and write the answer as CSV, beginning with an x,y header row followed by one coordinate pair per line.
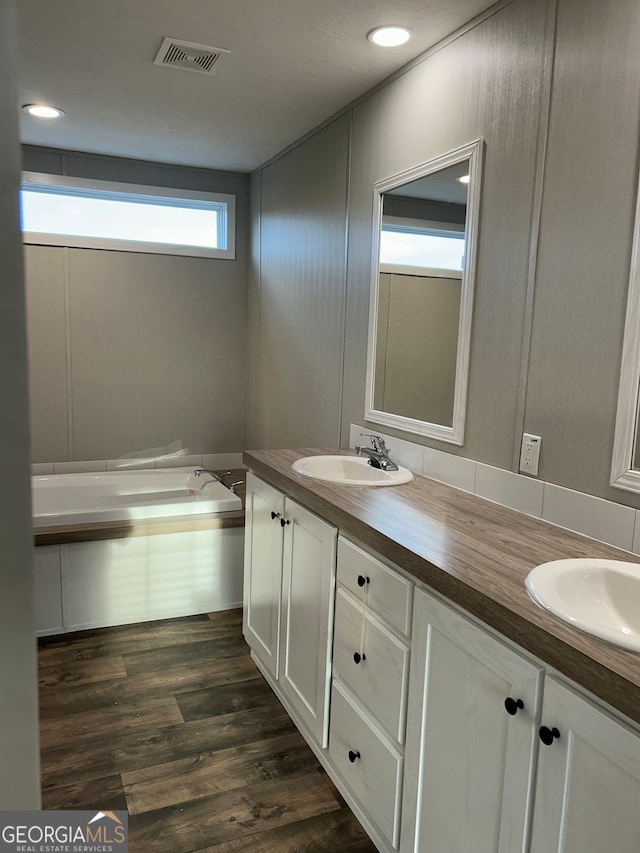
x,y
477,554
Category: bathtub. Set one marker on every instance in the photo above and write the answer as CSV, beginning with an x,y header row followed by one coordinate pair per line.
x,y
162,562
126,495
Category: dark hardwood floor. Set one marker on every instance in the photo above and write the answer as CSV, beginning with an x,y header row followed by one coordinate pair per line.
x,y
172,721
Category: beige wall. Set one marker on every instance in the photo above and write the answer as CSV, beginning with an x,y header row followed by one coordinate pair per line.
x,y
298,318
584,251
19,761
133,352
551,98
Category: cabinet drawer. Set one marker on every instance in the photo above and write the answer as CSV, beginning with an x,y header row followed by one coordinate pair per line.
x,y
386,592
375,774
380,679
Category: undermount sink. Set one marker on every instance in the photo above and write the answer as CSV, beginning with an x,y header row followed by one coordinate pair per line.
x,y
349,471
600,597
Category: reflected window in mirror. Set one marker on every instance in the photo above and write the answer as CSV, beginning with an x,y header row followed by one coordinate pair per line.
x,y
422,295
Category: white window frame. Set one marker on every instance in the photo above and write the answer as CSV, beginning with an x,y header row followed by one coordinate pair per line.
x,y
226,204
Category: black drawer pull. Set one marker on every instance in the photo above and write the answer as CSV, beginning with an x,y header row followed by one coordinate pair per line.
x,y
274,515
357,657
362,580
353,755
284,521
547,735
513,705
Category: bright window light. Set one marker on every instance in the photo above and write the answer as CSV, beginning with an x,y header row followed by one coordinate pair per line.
x,y
421,249
132,219
147,221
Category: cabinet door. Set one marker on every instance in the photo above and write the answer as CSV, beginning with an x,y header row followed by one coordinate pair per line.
x,y
469,764
308,588
264,510
588,785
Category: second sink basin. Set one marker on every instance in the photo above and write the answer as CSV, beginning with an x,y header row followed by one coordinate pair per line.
x,y
349,471
601,597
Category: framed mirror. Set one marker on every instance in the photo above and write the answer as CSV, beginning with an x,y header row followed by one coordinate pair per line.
x,y
424,246
625,467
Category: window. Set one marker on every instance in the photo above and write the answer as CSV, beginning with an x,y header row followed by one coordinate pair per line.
x,y
416,245
102,215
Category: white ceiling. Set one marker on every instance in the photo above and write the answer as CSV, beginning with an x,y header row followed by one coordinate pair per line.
x,y
293,63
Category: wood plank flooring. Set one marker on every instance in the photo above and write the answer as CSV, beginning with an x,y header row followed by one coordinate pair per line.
x,y
172,721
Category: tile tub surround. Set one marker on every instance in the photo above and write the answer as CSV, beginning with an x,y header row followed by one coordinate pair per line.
x,y
606,521
476,554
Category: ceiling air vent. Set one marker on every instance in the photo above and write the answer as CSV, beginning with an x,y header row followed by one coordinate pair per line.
x,y
188,56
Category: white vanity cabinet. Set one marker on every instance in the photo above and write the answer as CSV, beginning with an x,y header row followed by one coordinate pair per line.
x,y
442,736
588,783
289,587
308,587
371,654
472,738
263,541
475,773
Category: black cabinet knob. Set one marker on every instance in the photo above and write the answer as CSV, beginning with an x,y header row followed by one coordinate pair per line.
x,y
513,705
353,755
284,521
547,735
357,657
362,580
274,515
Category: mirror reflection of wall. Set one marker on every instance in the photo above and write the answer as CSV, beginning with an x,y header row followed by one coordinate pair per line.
x,y
417,325
421,261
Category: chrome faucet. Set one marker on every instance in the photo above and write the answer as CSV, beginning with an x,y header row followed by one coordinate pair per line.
x,y
219,478
377,453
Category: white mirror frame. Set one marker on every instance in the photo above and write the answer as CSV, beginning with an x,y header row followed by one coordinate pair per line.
x,y
453,434
623,474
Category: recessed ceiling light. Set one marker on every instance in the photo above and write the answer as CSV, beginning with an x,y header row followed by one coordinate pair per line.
x,y
465,179
389,36
42,111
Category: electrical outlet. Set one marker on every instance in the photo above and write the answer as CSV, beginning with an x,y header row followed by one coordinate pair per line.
x,y
530,454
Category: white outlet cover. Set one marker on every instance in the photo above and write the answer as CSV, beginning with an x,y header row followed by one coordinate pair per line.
x,y
530,454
